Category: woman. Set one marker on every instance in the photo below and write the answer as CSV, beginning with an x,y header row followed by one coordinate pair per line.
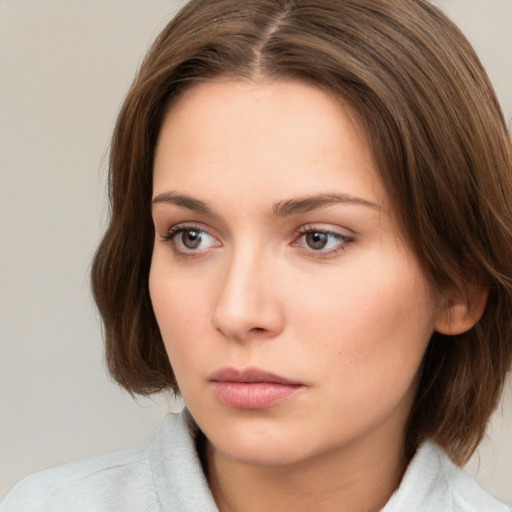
x,y
309,241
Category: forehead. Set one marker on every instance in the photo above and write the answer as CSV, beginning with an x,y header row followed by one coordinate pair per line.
x,y
242,135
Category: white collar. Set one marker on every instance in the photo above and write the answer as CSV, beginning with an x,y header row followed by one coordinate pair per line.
x,y
432,483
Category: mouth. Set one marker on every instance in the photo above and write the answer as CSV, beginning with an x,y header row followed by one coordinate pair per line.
x,y
252,388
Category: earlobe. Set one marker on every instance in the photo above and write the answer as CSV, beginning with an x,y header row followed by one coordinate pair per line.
x,y
461,314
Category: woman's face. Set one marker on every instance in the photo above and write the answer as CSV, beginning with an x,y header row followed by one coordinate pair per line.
x,y
293,314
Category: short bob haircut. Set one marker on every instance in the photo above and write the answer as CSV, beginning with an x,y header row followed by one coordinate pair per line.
x,y
439,140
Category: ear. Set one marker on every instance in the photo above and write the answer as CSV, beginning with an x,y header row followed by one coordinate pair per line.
x,y
461,312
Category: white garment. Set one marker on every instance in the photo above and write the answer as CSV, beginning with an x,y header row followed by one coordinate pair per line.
x,y
165,475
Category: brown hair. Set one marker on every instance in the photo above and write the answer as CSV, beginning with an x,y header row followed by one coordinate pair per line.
x,y
439,140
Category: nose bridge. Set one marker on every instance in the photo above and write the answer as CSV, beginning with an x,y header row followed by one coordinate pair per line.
x,y
246,302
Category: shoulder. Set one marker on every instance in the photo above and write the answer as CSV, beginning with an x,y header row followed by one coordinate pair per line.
x,y
467,495
164,474
86,485
433,482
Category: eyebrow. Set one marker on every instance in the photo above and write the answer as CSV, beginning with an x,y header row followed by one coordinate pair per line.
x,y
182,200
280,209
309,203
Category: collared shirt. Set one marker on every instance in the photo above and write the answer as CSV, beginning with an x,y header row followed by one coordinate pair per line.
x,y
165,475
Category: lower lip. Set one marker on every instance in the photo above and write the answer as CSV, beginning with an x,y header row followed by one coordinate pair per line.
x,y
253,395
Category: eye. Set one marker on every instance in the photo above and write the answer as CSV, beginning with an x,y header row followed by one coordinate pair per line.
x,y
190,240
324,242
317,240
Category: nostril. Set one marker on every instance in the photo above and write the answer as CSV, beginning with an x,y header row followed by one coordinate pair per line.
x,y
240,315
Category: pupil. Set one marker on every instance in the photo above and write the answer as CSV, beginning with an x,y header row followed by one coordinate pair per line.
x,y
191,239
316,240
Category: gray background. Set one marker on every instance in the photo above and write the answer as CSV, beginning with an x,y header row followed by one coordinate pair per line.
x,y
65,66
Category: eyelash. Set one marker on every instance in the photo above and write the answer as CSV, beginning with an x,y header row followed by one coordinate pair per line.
x,y
175,231
343,241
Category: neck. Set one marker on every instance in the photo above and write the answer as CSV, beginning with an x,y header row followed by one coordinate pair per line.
x,y
356,478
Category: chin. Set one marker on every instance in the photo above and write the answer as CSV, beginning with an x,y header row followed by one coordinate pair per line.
x,y
258,452
258,439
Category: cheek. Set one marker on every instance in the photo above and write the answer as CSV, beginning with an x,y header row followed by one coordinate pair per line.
x,y
370,326
370,342
382,295
180,309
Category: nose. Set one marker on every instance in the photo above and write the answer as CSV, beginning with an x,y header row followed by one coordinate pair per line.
x,y
247,305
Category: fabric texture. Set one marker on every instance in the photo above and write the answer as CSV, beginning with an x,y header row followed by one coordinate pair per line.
x,y
165,475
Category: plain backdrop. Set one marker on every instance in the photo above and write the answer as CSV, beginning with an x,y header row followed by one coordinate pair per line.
x,y
64,69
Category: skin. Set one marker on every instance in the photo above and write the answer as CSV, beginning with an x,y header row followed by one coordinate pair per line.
x,y
350,321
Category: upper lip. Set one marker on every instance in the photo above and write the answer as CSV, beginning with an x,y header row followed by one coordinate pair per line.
x,y
250,375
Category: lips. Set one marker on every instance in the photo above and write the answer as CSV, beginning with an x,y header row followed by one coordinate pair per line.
x,y
252,388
